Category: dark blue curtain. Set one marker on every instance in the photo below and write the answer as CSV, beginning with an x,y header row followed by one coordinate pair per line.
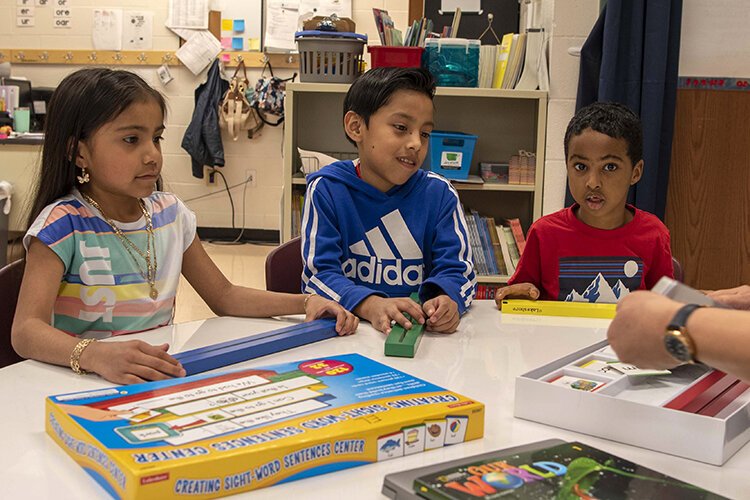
x,y
631,56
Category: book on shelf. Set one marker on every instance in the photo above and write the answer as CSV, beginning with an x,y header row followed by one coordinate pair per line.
x,y
501,60
515,255
496,248
485,259
480,266
486,291
486,244
550,469
505,249
515,61
515,227
298,205
487,62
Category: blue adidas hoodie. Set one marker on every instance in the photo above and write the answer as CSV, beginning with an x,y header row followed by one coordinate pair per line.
x,y
358,241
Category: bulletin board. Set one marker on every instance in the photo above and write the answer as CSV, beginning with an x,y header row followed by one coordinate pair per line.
x,y
282,18
506,15
250,14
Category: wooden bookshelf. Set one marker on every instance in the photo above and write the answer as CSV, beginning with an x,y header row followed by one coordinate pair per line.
x,y
504,120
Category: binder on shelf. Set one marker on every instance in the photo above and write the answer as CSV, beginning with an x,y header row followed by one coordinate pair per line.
x,y
501,63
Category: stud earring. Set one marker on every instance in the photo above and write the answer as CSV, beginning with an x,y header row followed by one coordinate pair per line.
x,y
84,177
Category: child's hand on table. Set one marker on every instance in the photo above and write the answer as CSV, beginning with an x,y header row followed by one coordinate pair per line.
x,y
516,291
131,362
319,307
383,313
442,314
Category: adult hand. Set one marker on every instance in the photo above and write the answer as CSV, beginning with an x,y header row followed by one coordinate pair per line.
x,y
318,307
736,298
131,362
637,332
516,291
382,312
442,314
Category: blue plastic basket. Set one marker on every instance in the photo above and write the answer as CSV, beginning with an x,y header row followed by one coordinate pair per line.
x,y
450,154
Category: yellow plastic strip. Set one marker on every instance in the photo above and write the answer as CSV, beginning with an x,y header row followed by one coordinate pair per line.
x,y
554,308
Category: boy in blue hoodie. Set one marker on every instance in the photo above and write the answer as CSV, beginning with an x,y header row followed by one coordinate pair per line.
x,y
378,229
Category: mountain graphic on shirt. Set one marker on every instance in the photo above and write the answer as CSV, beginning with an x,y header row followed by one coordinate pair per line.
x,y
599,291
620,290
604,279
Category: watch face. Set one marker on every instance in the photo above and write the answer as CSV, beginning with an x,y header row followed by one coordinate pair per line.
x,y
677,348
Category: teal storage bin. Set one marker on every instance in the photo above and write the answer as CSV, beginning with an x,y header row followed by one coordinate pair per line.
x,y
454,62
449,154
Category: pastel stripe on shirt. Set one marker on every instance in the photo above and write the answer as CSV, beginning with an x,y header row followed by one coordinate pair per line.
x,y
103,290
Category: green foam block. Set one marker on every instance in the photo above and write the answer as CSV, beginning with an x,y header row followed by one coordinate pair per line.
x,y
404,343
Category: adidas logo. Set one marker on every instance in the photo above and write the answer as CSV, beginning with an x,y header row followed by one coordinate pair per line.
x,y
389,256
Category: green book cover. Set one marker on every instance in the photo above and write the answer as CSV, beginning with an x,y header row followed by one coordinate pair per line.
x,y
571,471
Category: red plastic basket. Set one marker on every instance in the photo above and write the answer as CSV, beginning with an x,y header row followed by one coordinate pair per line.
x,y
382,56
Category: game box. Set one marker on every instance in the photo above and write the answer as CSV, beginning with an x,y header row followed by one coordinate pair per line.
x,y
216,434
692,411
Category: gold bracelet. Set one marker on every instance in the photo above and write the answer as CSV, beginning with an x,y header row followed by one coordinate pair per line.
x,y
304,304
75,356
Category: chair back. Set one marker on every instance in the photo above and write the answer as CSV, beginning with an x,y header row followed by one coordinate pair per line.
x,y
284,267
679,274
10,284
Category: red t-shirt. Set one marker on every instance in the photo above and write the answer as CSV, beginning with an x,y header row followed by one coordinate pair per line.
x,y
569,260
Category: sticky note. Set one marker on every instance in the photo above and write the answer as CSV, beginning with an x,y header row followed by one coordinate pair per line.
x,y
226,58
253,44
237,43
226,25
226,42
239,25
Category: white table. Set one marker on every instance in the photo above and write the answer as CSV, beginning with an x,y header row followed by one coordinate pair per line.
x,y
481,360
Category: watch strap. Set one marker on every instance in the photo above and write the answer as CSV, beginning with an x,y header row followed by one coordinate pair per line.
x,y
681,316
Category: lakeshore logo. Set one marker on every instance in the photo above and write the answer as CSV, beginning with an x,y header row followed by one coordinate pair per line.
x,y
389,255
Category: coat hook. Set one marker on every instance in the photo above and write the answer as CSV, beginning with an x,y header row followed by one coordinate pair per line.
x,y
68,56
238,58
117,57
166,58
20,56
92,57
142,57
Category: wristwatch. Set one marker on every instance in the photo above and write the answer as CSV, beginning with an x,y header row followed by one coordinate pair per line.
x,y
677,340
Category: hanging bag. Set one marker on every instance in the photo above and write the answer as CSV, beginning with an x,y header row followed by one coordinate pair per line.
x,y
268,96
235,112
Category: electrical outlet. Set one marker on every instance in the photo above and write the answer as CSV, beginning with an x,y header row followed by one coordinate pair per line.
x,y
250,177
210,176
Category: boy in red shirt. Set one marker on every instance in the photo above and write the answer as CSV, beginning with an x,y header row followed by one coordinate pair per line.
x,y
600,248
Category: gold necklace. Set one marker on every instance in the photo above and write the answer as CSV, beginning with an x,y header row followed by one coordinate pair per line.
x,y
150,274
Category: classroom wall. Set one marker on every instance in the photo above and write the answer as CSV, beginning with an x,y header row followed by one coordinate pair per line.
x,y
262,154
710,169
567,21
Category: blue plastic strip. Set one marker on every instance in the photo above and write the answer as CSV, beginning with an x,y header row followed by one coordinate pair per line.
x,y
257,339
319,323
255,346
